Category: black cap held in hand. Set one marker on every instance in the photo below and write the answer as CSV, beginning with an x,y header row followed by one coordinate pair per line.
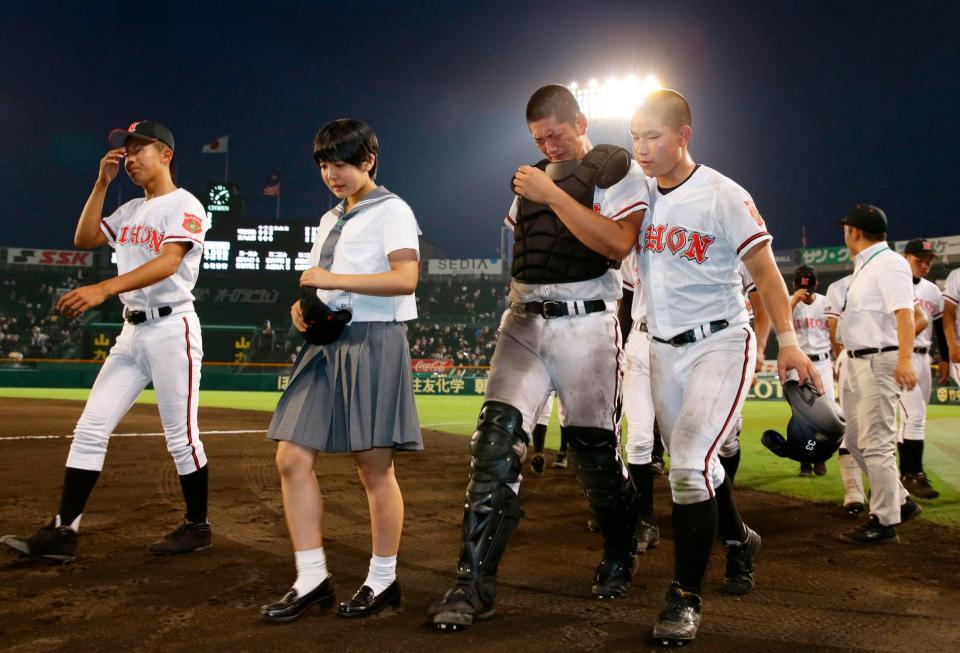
x,y
145,129
866,217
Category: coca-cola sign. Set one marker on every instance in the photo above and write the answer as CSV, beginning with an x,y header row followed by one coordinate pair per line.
x,y
434,365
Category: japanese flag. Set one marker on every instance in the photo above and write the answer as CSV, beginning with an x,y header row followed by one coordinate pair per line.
x,y
219,146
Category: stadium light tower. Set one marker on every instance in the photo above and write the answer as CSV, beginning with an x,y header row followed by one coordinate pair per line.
x,y
614,99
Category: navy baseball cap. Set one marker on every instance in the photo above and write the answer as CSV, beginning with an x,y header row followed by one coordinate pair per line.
x,y
867,217
919,247
145,129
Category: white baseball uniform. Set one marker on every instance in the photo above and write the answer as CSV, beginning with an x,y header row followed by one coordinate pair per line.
x,y
731,442
689,251
166,348
913,403
951,293
637,394
836,294
813,336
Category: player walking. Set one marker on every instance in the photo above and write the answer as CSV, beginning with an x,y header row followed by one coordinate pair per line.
x,y
951,328
560,332
703,355
158,240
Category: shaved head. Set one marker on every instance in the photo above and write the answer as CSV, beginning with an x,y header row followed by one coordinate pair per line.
x,y
670,106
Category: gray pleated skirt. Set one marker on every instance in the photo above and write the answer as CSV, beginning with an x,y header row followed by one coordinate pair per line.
x,y
351,395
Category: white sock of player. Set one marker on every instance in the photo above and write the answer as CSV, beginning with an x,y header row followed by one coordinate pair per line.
x,y
383,571
73,526
311,570
852,479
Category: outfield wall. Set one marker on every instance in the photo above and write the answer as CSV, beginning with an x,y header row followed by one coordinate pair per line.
x,y
220,376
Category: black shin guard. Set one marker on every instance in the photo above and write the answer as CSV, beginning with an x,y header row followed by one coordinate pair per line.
x,y
729,521
77,486
194,486
611,494
539,437
642,477
730,465
492,509
694,529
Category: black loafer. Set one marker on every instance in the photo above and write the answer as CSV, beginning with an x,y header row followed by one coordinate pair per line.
x,y
291,606
364,603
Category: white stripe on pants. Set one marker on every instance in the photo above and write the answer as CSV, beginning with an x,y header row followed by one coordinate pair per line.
x,y
168,352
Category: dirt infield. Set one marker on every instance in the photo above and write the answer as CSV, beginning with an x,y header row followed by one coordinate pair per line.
x,y
814,593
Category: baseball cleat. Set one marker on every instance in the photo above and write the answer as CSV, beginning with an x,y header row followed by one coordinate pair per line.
x,y
677,624
648,536
58,543
919,485
185,538
738,578
458,609
537,463
909,509
871,532
806,469
657,466
613,576
819,468
561,460
854,509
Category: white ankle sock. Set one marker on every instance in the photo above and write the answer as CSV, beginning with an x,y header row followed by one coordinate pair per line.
x,y
311,570
73,526
383,571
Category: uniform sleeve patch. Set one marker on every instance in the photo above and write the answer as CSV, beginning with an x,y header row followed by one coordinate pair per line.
x,y
192,223
754,213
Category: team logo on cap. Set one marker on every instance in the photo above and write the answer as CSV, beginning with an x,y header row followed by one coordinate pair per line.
x,y
927,246
133,126
192,223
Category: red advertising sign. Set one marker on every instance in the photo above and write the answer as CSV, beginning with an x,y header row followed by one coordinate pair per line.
x,y
67,258
434,365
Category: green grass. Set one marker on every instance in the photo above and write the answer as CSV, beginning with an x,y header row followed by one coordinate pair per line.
x,y
759,468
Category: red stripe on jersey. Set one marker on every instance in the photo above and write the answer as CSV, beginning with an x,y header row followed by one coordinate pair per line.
x,y
107,227
733,408
193,450
751,239
640,203
511,220
950,299
179,236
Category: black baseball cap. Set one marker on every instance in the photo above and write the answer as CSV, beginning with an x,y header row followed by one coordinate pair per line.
x,y
805,277
146,129
919,247
867,217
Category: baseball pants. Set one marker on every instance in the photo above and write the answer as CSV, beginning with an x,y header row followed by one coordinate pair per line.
x,y
870,396
698,392
638,398
913,403
167,352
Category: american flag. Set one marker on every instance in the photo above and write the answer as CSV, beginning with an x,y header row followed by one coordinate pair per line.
x,y
272,187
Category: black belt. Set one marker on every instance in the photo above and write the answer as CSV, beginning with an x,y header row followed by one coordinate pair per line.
x,y
139,317
921,350
556,308
860,353
690,337
816,358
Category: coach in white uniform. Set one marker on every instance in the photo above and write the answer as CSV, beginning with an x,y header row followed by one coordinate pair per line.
x,y
810,323
913,404
158,239
878,333
703,353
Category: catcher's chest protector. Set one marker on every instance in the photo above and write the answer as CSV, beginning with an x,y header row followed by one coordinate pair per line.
x,y
544,250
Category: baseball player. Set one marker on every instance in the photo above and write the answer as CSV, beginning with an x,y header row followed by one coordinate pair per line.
x,y
158,241
539,437
703,353
854,502
878,333
577,213
951,327
638,404
913,403
810,324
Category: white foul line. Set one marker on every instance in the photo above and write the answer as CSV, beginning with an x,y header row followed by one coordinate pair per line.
x,y
127,435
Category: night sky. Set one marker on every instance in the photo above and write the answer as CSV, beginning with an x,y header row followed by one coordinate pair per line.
x,y
810,106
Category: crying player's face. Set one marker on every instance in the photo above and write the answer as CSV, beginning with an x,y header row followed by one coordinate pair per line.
x,y
558,140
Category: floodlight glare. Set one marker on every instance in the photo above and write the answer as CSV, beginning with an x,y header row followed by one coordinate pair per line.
x,y
615,99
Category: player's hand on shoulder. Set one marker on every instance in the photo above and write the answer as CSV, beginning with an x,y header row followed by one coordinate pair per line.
x,y
532,183
905,375
792,358
297,314
318,278
80,300
110,165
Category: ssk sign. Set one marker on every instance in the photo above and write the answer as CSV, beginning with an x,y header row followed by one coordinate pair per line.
x,y
434,365
59,257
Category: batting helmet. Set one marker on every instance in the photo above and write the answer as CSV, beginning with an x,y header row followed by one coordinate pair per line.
x,y
815,429
324,325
